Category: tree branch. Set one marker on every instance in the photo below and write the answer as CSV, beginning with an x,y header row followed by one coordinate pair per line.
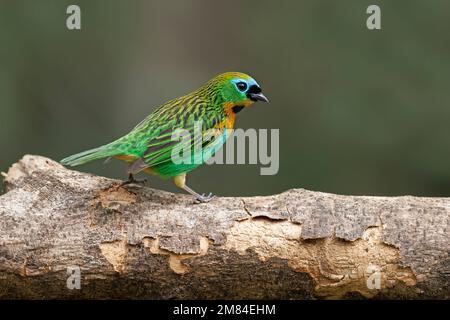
x,y
132,242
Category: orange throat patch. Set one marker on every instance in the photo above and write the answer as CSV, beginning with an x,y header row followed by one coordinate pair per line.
x,y
231,114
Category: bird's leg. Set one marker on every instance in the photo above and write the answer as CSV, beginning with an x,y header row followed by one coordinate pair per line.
x,y
132,180
180,182
203,198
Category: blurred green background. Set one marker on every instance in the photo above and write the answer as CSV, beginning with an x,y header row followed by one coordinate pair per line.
x,y
359,111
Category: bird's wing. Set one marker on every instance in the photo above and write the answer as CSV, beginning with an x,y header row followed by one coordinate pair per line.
x,y
187,125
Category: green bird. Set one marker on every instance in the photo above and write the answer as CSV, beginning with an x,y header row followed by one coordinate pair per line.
x,y
199,122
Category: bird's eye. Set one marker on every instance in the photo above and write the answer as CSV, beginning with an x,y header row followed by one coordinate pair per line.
x,y
242,86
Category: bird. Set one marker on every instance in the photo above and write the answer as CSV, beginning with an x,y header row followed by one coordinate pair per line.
x,y
205,116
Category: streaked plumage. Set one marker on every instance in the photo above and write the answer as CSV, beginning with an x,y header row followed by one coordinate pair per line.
x,y
148,147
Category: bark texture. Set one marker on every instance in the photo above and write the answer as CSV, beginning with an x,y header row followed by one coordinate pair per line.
x,y
132,242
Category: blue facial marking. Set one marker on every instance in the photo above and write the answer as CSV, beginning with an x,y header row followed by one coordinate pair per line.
x,y
249,82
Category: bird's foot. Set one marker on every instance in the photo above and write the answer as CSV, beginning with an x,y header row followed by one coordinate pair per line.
x,y
132,180
204,198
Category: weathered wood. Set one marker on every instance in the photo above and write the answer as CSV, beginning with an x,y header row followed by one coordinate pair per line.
x,y
132,242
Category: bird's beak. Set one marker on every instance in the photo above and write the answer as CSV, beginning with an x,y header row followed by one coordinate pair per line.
x,y
258,97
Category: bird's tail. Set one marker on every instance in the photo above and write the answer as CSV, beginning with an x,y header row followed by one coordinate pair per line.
x,y
89,155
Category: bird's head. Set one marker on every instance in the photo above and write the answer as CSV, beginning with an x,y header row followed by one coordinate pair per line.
x,y
236,88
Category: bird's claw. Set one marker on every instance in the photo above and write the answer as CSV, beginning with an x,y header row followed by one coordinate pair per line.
x,y
139,182
204,198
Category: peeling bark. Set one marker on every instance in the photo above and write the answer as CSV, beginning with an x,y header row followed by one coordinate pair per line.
x,y
132,242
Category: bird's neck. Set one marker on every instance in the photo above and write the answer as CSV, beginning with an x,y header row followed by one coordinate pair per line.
x,y
231,109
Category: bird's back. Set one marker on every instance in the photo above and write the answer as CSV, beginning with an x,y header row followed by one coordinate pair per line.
x,y
152,139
